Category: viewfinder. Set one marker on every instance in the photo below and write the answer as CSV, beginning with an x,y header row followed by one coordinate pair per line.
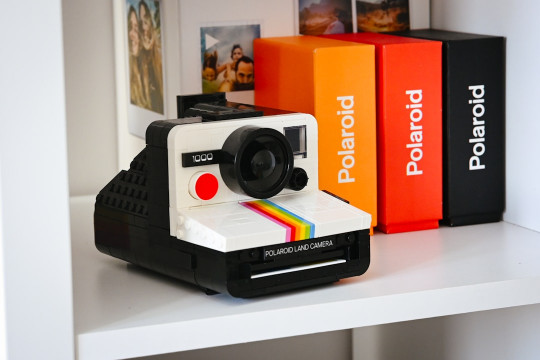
x,y
296,135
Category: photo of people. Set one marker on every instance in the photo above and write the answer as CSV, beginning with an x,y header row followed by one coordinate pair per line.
x,y
317,17
382,15
145,59
227,57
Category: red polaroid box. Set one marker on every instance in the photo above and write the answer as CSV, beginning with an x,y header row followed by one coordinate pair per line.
x,y
335,82
409,130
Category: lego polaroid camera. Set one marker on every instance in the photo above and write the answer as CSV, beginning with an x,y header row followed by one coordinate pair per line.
x,y
227,198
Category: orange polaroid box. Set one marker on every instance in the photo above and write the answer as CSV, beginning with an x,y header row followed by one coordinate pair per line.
x,y
335,82
409,130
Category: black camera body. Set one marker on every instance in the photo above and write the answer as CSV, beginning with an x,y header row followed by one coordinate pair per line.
x,y
228,200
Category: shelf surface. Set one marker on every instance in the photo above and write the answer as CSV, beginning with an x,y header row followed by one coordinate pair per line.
x,y
124,311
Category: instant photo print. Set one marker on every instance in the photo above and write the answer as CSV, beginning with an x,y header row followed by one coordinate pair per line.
x,y
232,205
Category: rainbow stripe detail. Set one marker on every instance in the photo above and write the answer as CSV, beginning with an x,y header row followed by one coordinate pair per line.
x,y
297,227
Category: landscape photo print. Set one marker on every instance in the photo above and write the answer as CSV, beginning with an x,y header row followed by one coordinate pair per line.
x,y
317,17
382,15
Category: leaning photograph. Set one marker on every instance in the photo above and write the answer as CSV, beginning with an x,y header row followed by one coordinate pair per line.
x,y
145,54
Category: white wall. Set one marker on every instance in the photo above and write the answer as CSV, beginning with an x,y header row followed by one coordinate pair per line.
x,y
517,20
3,323
36,266
90,94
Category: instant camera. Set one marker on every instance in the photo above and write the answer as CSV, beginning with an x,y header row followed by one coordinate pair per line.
x,y
227,198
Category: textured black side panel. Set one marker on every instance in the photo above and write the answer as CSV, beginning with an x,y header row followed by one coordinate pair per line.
x,y
127,191
121,210
131,219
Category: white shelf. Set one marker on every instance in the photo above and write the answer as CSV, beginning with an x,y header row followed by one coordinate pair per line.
x,y
122,311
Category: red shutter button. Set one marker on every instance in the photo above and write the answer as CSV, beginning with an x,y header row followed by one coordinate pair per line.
x,y
203,186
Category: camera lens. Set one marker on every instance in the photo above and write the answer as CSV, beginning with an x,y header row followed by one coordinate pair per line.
x,y
263,164
258,162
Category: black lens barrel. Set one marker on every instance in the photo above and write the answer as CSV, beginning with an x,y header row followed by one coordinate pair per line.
x,y
260,162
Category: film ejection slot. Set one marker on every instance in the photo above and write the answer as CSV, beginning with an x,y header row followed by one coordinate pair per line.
x,y
298,268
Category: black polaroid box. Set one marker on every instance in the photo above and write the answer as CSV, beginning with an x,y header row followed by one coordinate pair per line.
x,y
227,198
473,125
